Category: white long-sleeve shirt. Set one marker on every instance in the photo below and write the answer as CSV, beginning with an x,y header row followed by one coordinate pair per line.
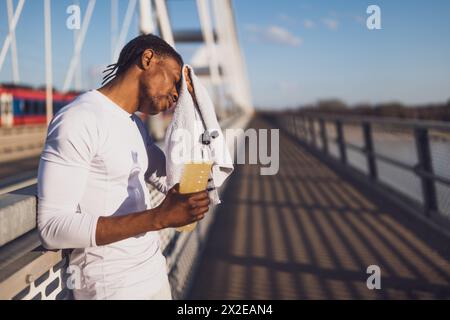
x,y
96,160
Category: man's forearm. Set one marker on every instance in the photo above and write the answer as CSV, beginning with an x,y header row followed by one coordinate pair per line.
x,y
174,211
113,229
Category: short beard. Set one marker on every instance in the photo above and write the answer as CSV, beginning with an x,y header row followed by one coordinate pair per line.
x,y
150,103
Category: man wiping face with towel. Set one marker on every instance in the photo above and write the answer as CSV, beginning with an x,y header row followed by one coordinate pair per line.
x,y
97,158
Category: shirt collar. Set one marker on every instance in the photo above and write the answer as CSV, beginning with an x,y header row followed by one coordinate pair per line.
x,y
115,107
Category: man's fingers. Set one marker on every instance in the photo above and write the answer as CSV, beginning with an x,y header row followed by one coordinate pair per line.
x,y
199,211
198,196
201,203
197,218
175,188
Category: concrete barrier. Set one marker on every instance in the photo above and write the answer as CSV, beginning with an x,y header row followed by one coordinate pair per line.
x,y
21,142
17,216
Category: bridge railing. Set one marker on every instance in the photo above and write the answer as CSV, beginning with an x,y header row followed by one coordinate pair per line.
x,y
409,159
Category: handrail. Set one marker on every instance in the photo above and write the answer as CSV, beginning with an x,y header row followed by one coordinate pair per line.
x,y
302,125
411,123
396,162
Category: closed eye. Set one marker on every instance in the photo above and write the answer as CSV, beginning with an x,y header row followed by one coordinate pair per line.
x,y
178,86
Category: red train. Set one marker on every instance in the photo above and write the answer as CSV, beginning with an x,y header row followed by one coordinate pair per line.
x,y
21,105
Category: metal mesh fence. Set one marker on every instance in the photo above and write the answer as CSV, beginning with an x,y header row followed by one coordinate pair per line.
x,y
330,129
51,285
317,134
353,135
395,159
297,128
397,143
310,134
440,157
401,180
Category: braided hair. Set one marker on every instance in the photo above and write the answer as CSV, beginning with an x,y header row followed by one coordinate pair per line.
x,y
134,49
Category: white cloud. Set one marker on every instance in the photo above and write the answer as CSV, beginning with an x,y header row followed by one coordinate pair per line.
x,y
281,35
308,24
286,18
274,34
331,24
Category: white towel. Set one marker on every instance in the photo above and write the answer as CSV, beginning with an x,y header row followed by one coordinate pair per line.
x,y
185,132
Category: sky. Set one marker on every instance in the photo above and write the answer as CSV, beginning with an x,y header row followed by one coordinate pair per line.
x,y
296,51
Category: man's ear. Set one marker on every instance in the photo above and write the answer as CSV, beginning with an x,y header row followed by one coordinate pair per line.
x,y
146,58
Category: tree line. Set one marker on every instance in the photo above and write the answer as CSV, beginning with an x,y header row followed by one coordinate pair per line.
x,y
439,112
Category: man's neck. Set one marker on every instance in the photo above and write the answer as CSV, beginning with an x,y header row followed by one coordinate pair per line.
x,y
123,91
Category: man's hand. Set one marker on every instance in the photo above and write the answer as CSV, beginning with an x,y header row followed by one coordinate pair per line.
x,y
187,75
178,209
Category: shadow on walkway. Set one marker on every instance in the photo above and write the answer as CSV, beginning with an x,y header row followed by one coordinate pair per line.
x,y
306,233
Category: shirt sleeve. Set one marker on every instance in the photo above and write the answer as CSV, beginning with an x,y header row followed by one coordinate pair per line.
x,y
70,146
